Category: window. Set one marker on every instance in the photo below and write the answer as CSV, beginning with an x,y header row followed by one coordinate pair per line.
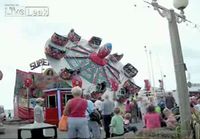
x,y
65,98
68,97
52,103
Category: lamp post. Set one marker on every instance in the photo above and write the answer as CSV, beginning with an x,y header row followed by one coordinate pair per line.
x,y
150,70
152,73
146,52
179,65
164,86
28,83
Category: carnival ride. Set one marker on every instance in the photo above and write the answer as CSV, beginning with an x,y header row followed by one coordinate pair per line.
x,y
74,62
88,64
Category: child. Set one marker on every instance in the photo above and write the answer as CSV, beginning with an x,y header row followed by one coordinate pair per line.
x,y
152,118
117,125
127,126
171,120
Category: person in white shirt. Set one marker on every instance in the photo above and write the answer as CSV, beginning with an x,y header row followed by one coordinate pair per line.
x,y
107,111
38,111
98,104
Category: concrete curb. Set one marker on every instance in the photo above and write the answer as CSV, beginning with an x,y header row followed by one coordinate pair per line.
x,y
17,122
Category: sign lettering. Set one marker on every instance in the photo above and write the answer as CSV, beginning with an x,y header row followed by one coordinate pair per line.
x,y
38,63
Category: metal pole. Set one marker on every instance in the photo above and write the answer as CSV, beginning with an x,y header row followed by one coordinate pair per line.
x,y
152,73
27,89
164,87
59,103
145,49
179,67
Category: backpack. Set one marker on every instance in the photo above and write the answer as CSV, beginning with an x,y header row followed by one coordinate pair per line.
x,y
161,104
95,116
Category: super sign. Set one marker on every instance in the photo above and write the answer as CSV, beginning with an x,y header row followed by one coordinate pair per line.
x,y
38,63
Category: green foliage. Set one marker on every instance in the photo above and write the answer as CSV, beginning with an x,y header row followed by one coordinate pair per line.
x,y
178,131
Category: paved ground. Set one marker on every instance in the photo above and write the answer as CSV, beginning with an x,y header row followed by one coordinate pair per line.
x,y
11,131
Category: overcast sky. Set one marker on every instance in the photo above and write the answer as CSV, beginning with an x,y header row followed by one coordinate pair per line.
x,y
128,24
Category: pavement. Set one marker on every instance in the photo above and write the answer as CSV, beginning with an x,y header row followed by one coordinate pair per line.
x,y
11,128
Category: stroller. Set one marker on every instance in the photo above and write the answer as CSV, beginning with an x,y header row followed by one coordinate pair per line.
x,y
128,127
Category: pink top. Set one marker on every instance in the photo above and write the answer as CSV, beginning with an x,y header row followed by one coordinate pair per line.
x,y
126,122
152,120
128,107
171,122
77,107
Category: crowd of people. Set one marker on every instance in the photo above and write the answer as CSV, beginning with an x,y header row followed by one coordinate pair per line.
x,y
88,118
195,107
116,118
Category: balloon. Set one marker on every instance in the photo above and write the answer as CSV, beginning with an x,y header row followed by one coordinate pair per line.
x,y
28,82
76,81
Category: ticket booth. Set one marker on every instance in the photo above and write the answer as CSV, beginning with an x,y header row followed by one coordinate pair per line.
x,y
55,100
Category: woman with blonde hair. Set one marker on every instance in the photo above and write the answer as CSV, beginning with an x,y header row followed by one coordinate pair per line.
x,y
75,109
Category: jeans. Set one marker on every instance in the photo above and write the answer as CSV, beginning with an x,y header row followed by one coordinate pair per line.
x,y
94,129
78,128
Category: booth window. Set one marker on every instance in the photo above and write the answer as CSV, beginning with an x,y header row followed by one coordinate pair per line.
x,y
52,101
65,98
68,97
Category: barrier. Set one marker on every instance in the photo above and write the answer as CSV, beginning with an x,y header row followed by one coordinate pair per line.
x,y
37,131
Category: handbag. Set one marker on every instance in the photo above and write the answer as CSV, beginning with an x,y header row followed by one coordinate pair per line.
x,y
94,116
63,123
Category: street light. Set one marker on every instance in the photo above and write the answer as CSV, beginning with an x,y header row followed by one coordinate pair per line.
x,y
179,65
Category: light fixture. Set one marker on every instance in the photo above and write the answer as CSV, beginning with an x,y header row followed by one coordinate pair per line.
x,y
180,4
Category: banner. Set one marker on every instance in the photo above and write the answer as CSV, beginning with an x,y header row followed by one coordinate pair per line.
x,y
147,85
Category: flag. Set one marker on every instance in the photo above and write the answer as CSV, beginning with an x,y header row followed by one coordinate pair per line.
x,y
147,85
